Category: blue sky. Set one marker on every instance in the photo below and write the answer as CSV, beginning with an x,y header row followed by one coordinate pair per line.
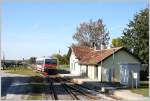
x,y
41,29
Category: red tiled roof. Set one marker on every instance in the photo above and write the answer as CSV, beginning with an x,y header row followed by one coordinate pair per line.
x,y
88,55
81,52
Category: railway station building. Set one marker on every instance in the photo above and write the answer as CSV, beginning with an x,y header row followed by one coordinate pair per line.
x,y
105,65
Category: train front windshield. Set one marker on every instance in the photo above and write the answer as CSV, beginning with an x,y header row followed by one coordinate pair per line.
x,y
51,61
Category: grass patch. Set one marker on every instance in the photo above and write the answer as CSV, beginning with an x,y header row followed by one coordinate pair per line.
x,y
37,87
63,67
143,89
22,71
35,97
37,90
36,79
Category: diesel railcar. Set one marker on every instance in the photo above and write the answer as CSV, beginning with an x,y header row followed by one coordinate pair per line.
x,y
47,65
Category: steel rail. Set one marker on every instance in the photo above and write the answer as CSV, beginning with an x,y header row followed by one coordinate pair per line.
x,y
92,89
83,93
80,91
70,92
47,90
51,86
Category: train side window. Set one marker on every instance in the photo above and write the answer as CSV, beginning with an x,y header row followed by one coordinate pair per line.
x,y
41,62
72,66
37,62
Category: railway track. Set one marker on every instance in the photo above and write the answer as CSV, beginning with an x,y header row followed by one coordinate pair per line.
x,y
54,95
73,90
73,95
58,91
87,88
69,91
49,91
62,89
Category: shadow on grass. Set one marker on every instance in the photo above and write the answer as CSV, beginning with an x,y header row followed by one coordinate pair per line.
x,y
18,85
26,85
97,85
144,84
62,71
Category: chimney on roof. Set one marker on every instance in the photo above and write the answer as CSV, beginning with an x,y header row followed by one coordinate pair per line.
x,y
101,47
94,45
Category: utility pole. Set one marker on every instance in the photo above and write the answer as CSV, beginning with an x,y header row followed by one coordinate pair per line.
x,y
23,62
95,43
101,53
3,63
113,66
59,51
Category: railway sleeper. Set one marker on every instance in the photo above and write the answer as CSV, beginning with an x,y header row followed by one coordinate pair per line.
x,y
82,92
87,90
70,92
85,93
54,95
90,90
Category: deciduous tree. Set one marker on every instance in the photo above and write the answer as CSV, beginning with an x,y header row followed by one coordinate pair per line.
x,y
32,60
92,31
63,59
117,42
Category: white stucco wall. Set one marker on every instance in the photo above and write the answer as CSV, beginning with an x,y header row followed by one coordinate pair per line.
x,y
83,70
99,73
91,72
74,66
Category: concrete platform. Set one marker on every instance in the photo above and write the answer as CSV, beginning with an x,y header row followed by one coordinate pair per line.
x,y
78,79
128,95
93,84
97,85
68,75
82,80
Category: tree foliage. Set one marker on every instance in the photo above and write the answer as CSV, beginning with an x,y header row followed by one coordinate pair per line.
x,y
63,59
117,42
32,60
92,31
136,35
